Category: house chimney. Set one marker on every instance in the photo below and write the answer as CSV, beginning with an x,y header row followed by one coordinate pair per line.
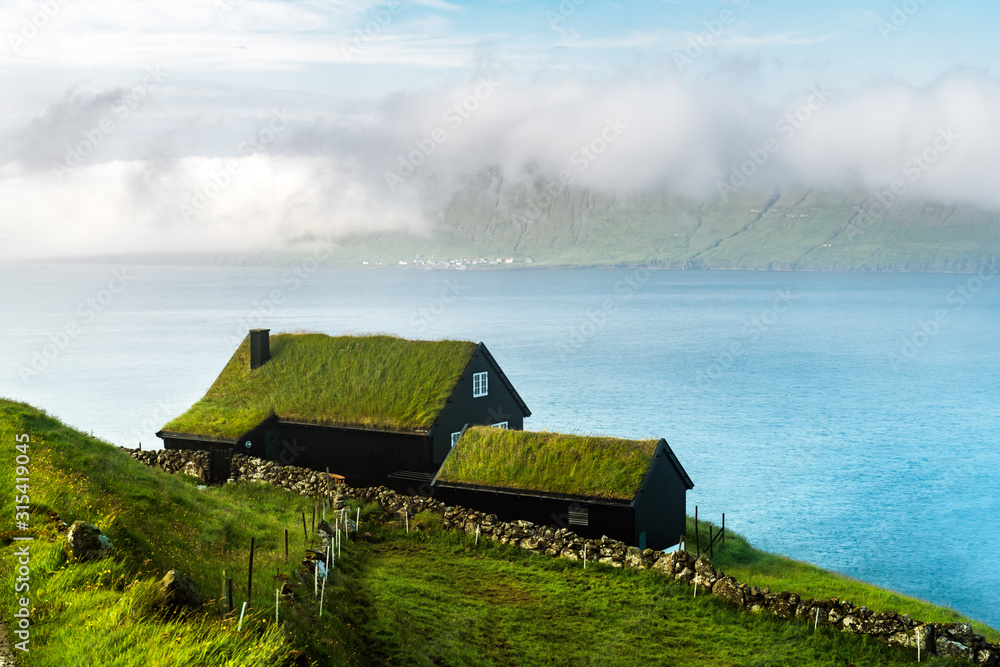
x,y
260,347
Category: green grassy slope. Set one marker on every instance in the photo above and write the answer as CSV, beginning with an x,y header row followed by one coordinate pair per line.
x,y
794,229
102,613
423,597
372,381
438,598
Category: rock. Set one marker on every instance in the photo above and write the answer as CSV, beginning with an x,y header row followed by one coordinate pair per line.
x,y
665,565
195,470
179,590
945,646
884,623
854,624
685,575
84,541
962,633
634,559
782,608
703,568
530,543
569,554
985,656
325,528
727,588
921,635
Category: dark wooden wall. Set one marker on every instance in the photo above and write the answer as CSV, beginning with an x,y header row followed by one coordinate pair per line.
x,y
364,458
615,521
498,405
661,506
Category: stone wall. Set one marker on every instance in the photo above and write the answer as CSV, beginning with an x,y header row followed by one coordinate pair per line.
x,y
948,639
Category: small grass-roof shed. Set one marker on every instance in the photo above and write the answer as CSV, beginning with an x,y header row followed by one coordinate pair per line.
x,y
631,490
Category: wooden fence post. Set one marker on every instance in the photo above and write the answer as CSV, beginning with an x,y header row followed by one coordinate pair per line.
x,y
286,545
697,543
305,533
250,575
711,540
723,530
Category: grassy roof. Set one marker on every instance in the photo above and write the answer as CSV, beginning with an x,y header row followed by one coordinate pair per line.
x,y
365,381
550,462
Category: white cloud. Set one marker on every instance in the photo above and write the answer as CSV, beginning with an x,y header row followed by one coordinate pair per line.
x,y
326,174
149,206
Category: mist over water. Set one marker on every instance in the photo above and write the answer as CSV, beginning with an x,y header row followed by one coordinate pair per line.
x,y
849,420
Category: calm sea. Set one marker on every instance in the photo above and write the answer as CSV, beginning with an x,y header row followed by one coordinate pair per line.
x,y
849,420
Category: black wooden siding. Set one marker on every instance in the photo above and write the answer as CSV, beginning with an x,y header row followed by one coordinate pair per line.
x,y
660,507
364,458
616,520
499,405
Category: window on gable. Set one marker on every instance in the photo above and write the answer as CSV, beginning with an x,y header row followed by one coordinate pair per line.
x,y
480,384
454,438
502,425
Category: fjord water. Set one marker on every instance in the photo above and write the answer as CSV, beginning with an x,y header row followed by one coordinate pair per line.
x,y
849,420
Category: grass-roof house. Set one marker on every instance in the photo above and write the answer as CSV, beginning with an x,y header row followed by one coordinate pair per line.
x,y
365,407
630,490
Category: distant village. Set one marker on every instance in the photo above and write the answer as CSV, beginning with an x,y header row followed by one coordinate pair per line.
x,y
459,264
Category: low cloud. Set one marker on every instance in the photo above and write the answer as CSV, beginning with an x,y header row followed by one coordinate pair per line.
x,y
391,164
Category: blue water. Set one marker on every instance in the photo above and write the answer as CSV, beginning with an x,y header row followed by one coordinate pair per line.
x,y
790,398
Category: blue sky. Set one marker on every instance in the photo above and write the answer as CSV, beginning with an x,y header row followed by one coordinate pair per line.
x,y
179,86
299,45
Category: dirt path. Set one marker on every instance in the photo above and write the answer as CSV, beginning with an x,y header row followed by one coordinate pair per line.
x,y
6,651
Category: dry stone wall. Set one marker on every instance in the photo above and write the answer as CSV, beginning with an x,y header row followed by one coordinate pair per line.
x,y
957,640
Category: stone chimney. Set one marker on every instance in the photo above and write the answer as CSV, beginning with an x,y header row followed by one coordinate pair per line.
x,y
260,347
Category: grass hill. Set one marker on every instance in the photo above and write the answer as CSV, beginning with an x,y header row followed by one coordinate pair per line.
x,y
492,217
424,597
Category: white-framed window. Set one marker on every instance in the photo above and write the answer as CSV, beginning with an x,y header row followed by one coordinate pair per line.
x,y
502,425
454,438
480,384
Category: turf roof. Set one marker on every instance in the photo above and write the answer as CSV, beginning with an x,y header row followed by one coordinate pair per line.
x,y
377,382
549,462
